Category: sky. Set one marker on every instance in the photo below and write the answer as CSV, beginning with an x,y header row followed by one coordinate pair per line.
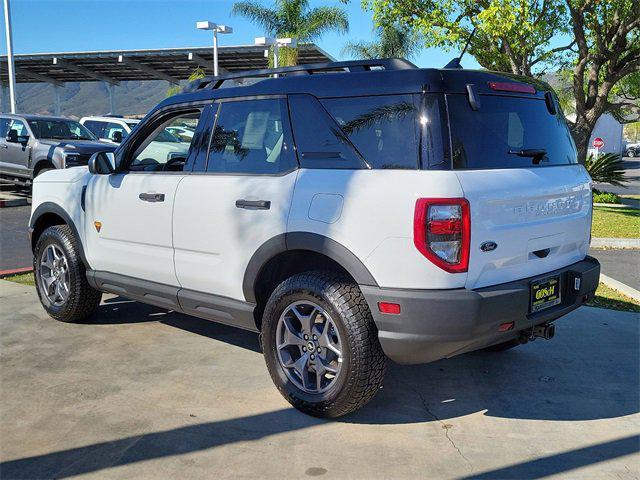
x,y
47,26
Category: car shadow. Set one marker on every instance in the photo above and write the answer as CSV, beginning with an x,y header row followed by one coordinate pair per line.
x,y
565,379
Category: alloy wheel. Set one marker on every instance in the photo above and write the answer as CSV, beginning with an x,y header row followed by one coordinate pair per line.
x,y
54,275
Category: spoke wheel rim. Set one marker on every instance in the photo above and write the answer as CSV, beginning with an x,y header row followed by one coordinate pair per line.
x,y
54,275
309,347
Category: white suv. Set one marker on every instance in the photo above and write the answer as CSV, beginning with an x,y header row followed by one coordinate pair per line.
x,y
374,211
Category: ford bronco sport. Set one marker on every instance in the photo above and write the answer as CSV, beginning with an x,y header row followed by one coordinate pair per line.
x,y
349,212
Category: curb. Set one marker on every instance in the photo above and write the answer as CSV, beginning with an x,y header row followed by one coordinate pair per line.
x,y
620,287
15,271
14,202
632,243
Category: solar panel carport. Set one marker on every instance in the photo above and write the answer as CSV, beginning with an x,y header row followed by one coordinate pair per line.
x,y
113,67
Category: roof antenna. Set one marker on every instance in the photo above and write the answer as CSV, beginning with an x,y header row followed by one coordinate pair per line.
x,y
455,63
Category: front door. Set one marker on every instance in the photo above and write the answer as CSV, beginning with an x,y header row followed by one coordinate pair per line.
x,y
237,201
14,156
129,214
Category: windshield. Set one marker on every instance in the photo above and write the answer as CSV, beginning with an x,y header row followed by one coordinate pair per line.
x,y
507,132
60,129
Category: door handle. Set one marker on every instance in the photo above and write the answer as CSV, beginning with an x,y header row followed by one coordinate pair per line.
x,y
253,204
151,197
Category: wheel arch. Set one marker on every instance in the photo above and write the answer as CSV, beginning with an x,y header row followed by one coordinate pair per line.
x,y
48,214
302,243
40,164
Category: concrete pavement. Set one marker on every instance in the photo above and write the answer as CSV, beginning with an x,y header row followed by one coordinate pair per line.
x,y
143,393
14,244
622,265
632,172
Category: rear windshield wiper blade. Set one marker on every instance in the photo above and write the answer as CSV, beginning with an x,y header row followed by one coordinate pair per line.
x,y
536,153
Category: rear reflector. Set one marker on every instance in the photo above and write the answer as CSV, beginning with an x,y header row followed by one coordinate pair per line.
x,y
442,232
389,308
506,326
512,87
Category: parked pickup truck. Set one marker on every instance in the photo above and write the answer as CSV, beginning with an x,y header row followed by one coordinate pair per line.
x,y
33,144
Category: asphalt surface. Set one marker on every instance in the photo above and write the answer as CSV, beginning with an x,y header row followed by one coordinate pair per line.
x,y
621,265
142,393
15,251
632,172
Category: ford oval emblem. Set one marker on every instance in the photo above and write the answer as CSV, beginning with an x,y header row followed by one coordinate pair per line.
x,y
488,246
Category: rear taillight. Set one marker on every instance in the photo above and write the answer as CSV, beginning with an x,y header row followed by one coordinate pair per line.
x,y
442,232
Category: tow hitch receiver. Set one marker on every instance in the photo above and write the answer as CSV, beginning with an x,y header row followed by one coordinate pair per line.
x,y
546,331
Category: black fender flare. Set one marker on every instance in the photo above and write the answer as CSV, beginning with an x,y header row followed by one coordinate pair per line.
x,y
303,241
50,207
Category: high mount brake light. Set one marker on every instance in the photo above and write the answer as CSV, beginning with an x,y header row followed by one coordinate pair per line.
x,y
442,232
512,87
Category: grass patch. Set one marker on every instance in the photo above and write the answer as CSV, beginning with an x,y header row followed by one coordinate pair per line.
x,y
611,222
23,279
612,299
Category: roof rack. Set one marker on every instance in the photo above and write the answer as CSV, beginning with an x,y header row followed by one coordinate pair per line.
x,y
309,69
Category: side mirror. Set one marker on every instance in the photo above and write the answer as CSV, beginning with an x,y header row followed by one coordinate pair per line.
x,y
12,136
102,163
117,136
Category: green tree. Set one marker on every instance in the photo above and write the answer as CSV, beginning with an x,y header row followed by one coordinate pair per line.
x,y
519,36
195,75
293,18
391,41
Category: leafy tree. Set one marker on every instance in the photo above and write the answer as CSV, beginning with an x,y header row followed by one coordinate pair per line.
x,y
391,41
293,18
195,75
519,36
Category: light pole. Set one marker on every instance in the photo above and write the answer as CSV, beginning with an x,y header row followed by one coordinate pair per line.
x,y
11,66
276,43
206,25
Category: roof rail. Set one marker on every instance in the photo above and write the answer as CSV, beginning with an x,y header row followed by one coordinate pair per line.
x,y
309,69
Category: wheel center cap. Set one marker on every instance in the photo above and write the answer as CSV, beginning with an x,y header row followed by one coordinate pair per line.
x,y
311,347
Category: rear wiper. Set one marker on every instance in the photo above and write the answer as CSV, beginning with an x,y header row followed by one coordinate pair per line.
x,y
536,153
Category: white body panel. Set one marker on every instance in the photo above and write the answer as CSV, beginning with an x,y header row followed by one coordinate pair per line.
x,y
376,220
136,237
214,240
523,211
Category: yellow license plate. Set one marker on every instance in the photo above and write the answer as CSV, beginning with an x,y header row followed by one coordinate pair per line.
x,y
545,293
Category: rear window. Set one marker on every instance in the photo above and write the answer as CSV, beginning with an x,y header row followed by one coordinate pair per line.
x,y
493,135
384,129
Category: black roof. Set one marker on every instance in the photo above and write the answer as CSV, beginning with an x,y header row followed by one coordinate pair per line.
x,y
340,79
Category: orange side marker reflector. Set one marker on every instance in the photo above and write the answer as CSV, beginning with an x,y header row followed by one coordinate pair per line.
x,y
98,226
506,326
389,308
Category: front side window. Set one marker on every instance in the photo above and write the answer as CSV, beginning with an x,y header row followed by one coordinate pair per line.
x,y
19,127
501,132
95,127
161,151
111,128
252,137
60,129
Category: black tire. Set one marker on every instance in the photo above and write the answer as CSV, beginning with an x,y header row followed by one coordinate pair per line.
x,y
364,362
631,153
42,170
83,300
504,346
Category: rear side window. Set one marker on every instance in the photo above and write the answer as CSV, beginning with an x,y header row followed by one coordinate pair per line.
x,y
494,135
384,129
252,137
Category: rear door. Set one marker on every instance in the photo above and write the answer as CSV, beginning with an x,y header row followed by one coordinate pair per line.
x,y
535,209
238,199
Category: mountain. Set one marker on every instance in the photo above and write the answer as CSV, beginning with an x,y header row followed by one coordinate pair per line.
x,y
80,99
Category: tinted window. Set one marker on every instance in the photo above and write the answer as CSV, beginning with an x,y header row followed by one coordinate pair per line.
x,y
319,140
60,129
153,153
252,136
97,128
19,127
4,127
485,138
111,128
384,129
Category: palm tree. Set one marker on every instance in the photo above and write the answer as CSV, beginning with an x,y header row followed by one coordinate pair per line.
x,y
391,41
293,18
607,168
195,75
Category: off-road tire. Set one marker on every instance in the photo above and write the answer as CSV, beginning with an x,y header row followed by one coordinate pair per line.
x,y
83,299
364,362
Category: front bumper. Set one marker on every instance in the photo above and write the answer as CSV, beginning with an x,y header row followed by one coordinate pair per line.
x,y
435,324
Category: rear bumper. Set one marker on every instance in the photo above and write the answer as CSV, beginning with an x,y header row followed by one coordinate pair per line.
x,y
435,324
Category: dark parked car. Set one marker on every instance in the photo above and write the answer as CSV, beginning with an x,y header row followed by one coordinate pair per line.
x,y
32,144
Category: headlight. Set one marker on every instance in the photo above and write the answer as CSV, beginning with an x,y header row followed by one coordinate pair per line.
x,y
71,160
